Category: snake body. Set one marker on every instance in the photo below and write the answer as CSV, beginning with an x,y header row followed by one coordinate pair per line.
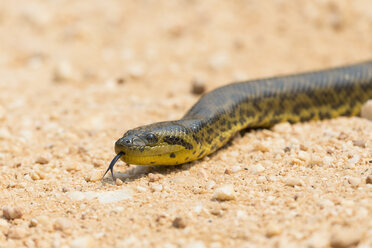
x,y
261,103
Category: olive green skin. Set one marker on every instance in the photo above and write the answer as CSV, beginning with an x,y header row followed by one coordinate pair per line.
x,y
261,103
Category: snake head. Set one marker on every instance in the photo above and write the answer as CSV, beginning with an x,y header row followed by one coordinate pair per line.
x,y
162,143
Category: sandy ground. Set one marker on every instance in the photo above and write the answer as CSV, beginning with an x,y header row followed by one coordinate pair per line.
x,y
75,75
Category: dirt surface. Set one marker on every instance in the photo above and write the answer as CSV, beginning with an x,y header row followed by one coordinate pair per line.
x,y
75,75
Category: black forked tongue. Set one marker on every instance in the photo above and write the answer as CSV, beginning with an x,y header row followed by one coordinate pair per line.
x,y
111,166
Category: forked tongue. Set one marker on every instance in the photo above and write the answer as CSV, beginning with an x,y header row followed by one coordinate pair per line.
x,y
111,166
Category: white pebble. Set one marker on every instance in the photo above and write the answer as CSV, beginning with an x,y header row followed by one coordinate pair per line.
x,y
261,147
273,229
284,127
218,60
257,168
325,203
241,214
196,244
2,113
198,209
345,237
304,156
234,154
261,179
293,181
63,72
11,213
354,181
355,159
156,187
17,233
236,168
136,71
367,110
76,195
118,182
141,189
94,176
103,197
3,225
211,184
83,242
328,160
224,193
63,225
114,196
4,133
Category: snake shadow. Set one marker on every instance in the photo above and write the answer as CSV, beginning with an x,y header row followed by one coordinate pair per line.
x,y
140,171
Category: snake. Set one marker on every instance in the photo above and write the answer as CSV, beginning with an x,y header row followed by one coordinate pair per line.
x,y
261,103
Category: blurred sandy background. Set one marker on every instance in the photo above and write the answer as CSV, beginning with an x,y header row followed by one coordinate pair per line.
x,y
75,75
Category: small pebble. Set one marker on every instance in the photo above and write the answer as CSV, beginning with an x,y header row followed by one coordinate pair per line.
x,y
141,189
84,242
63,72
325,203
261,147
198,86
345,237
136,71
34,176
354,181
318,240
156,187
2,113
360,143
304,156
303,147
178,223
256,168
292,181
236,168
120,80
369,180
196,244
273,230
41,160
218,60
216,210
94,176
11,213
284,127
33,222
224,193
261,179
4,133
63,225
17,233
352,161
43,220
118,182
3,225
154,177
366,111
211,184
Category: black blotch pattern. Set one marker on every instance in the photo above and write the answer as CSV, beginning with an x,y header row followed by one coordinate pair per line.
x,y
173,140
172,155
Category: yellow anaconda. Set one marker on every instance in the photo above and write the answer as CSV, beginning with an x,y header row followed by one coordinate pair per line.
x,y
219,114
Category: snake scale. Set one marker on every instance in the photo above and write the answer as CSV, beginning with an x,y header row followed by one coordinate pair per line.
x,y
260,103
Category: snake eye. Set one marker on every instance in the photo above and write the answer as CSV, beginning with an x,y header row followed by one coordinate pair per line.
x,y
151,138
